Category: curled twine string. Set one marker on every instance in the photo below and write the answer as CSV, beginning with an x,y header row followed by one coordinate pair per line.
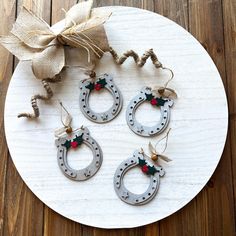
x,y
140,61
155,155
48,96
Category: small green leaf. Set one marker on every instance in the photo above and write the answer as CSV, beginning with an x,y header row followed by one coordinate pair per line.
x,y
160,102
90,86
151,170
79,139
149,97
141,162
102,82
67,144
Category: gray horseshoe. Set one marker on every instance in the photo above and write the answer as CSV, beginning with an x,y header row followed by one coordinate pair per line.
x,y
146,131
137,199
87,86
64,143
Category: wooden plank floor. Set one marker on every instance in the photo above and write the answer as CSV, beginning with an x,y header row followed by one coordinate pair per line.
x,y
212,212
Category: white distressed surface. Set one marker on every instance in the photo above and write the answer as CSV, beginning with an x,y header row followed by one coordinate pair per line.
x,y
198,121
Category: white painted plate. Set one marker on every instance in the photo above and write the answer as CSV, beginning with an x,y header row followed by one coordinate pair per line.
x,y
198,122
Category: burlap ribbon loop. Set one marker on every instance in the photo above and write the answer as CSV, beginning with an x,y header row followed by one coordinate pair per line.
x,y
32,38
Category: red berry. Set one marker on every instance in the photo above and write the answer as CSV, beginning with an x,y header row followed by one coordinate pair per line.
x,y
74,144
145,169
97,87
153,102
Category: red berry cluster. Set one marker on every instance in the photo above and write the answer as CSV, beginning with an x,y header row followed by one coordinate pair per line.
x,y
154,102
97,86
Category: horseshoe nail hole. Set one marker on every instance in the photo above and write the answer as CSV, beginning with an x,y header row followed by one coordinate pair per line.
x,y
117,98
92,142
117,104
131,120
65,170
71,174
62,164
154,181
60,150
158,128
165,110
118,176
82,100
153,188
96,148
162,123
131,107
60,157
121,169
136,200
126,164
164,117
117,183
114,110
115,91
84,106
100,101
84,93
144,198
97,155
135,102
149,194
88,112
151,132
112,86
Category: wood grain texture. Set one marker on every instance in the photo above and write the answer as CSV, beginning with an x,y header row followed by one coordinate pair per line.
x,y
192,122
229,9
18,215
183,222
7,9
220,195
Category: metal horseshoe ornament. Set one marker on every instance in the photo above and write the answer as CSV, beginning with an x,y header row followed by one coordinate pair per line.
x,y
87,86
163,103
73,141
154,172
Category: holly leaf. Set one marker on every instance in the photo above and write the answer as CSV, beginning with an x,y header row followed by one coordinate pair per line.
x,y
149,97
67,144
160,102
78,139
141,162
102,82
151,170
90,86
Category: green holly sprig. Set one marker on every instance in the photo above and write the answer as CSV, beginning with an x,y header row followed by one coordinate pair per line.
x,y
147,169
101,83
155,101
78,140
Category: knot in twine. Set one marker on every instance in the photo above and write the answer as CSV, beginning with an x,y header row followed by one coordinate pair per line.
x,y
32,38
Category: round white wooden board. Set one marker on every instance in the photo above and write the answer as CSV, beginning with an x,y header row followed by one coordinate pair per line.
x,y
198,122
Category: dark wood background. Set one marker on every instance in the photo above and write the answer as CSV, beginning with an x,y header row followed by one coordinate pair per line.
x,y
212,212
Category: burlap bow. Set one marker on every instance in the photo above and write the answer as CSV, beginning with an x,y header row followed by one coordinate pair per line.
x,y
32,39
